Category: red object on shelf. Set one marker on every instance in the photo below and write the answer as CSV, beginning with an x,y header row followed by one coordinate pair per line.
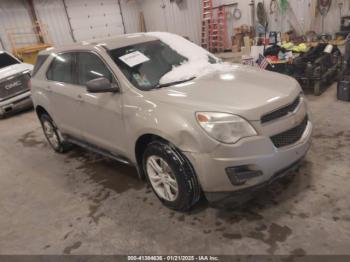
x,y
272,58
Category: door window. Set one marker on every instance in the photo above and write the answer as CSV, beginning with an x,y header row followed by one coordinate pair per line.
x,y
90,67
61,68
39,62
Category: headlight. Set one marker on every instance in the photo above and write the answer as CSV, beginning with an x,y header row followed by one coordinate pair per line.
x,y
224,127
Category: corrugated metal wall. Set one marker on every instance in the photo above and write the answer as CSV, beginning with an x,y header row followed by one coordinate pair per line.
x,y
131,11
160,15
154,15
14,14
52,14
183,19
303,10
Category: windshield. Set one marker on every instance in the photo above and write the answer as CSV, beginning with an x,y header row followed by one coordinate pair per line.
x,y
144,64
7,60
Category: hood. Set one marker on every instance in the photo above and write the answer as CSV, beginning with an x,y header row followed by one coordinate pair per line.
x,y
14,69
242,90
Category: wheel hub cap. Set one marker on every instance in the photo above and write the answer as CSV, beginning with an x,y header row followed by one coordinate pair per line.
x,y
162,178
51,134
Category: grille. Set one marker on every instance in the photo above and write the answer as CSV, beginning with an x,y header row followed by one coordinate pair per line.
x,y
281,112
291,136
13,86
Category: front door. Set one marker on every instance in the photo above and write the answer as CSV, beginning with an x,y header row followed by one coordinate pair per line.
x,y
103,120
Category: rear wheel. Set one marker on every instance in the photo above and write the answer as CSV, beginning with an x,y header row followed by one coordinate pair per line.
x,y
317,88
52,134
171,176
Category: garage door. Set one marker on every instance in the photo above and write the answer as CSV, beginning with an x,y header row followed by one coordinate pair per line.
x,y
94,19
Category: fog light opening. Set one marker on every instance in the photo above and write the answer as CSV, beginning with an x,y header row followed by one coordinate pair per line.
x,y
239,175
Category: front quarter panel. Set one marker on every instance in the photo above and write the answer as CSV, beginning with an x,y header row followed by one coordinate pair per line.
x,y
175,124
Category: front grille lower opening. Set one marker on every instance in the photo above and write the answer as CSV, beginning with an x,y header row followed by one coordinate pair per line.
x,y
291,136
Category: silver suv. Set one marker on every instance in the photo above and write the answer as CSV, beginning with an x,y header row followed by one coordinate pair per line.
x,y
187,121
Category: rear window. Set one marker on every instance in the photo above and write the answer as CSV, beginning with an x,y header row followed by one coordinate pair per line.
x,y
39,62
7,60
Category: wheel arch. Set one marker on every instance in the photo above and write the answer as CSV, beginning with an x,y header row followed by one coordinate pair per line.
x,y
40,111
140,147
185,166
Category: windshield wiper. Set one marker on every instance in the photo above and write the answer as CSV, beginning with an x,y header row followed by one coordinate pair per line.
x,y
173,83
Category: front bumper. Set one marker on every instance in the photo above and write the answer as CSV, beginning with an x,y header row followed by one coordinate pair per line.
x,y
15,104
255,151
239,197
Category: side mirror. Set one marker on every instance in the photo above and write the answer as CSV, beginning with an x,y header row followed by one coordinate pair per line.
x,y
101,85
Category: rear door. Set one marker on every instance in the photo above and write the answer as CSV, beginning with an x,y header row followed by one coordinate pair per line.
x,y
103,120
66,96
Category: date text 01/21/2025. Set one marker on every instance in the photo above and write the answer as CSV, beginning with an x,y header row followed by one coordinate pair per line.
x,y
173,258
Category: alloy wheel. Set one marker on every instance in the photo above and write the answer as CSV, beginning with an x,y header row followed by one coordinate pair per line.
x,y
51,135
162,178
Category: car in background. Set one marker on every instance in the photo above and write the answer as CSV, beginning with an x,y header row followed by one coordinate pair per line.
x,y
14,84
188,122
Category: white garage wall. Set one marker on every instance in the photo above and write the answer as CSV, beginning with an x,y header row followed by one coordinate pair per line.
x,y
95,19
14,14
131,11
162,15
52,14
303,11
332,21
183,19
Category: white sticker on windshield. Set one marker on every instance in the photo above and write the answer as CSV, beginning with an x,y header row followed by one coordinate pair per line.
x,y
134,58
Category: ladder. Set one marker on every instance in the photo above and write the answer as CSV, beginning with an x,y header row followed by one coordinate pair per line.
x,y
214,29
207,24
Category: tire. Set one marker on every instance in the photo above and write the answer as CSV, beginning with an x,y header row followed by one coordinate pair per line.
x,y
53,136
317,88
175,168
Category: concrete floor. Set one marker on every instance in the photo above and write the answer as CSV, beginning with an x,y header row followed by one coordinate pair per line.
x,y
80,203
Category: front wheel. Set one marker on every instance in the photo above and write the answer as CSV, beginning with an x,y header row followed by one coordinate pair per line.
x,y
171,176
52,134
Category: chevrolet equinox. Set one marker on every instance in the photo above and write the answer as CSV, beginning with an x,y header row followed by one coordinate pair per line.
x,y
190,123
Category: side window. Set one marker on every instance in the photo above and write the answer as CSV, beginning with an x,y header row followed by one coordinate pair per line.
x,y
39,62
61,68
90,67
